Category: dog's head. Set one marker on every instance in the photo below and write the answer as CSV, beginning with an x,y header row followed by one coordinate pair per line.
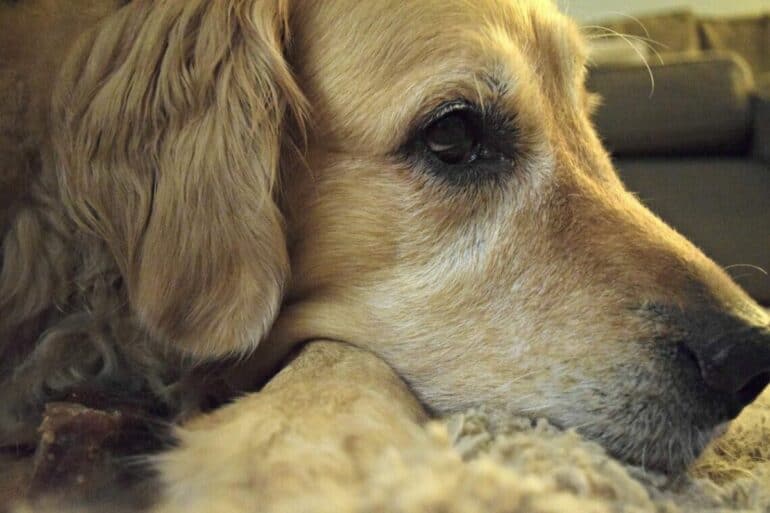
x,y
418,178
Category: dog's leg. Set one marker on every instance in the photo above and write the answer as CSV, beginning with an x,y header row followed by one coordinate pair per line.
x,y
309,433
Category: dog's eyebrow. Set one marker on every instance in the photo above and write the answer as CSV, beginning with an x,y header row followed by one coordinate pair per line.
x,y
496,85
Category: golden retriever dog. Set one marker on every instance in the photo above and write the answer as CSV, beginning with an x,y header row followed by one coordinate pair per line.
x,y
418,179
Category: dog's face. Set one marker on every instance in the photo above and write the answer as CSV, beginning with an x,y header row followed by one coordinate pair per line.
x,y
465,223
453,211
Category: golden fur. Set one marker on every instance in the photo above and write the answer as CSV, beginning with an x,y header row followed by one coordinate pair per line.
x,y
226,178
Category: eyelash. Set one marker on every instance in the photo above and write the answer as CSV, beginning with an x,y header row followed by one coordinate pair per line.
x,y
450,107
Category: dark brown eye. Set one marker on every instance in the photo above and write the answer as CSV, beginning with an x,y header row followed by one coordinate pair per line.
x,y
453,138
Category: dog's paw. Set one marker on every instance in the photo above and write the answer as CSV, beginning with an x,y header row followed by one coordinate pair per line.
x,y
315,429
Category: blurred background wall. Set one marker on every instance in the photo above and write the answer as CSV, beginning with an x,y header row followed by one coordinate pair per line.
x,y
595,9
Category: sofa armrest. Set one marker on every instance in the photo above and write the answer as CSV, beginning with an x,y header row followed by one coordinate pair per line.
x,y
700,105
761,122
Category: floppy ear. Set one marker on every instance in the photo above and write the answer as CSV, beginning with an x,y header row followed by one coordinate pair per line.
x,y
169,122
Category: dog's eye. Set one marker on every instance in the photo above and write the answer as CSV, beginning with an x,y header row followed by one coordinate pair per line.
x,y
462,143
453,138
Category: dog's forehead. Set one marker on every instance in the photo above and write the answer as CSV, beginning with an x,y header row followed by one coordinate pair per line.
x,y
370,67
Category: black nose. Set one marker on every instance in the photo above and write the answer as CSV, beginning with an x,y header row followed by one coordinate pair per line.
x,y
735,361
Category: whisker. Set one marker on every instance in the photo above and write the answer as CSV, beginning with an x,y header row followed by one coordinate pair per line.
x,y
632,18
525,375
749,266
608,32
532,409
648,43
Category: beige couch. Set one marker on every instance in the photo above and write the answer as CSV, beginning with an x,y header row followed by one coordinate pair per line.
x,y
697,148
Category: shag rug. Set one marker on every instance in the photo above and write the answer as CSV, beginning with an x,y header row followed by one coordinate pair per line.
x,y
468,464
536,468
472,466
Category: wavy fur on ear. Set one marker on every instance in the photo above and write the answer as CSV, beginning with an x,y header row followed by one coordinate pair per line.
x,y
168,124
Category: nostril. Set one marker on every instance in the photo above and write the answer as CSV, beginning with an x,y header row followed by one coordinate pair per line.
x,y
753,388
733,361
741,395
734,386
688,355
734,372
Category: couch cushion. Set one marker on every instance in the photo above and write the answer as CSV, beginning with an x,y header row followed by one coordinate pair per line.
x,y
700,104
761,125
746,36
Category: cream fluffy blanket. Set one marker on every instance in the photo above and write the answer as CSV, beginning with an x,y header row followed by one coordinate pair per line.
x,y
337,431
468,466
534,467
353,443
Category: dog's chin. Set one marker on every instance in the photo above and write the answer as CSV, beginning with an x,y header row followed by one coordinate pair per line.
x,y
659,416
666,433
661,422
671,454
646,441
